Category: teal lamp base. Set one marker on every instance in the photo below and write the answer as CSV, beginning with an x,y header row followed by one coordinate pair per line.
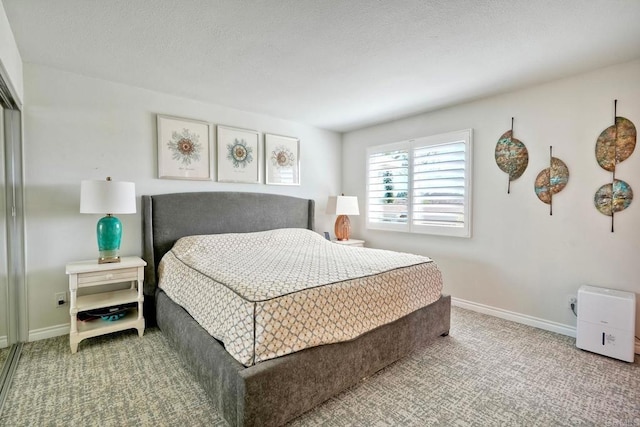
x,y
109,231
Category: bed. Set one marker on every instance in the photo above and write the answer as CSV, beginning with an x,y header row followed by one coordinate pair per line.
x,y
278,389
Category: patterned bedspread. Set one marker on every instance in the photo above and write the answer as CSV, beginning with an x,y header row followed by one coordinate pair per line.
x,y
272,293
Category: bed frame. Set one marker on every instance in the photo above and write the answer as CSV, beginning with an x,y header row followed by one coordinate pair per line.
x,y
275,391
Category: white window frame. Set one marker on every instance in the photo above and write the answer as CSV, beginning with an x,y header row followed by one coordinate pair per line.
x,y
409,146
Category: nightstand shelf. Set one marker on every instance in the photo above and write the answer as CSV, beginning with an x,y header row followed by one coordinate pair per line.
x,y
84,274
350,242
106,299
97,327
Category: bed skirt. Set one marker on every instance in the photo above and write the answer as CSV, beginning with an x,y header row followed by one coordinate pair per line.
x,y
275,391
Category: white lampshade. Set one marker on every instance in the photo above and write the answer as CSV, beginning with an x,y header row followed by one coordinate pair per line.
x,y
107,197
343,205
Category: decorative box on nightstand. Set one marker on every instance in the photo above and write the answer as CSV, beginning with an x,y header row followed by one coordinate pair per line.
x,y
350,242
84,274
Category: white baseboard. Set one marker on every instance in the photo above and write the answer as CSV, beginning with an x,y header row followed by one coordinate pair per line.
x,y
4,342
50,332
516,317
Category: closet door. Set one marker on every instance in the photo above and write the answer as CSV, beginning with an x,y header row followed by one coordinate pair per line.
x,y
5,340
14,209
12,271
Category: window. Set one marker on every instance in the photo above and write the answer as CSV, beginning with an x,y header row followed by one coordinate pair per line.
x,y
421,185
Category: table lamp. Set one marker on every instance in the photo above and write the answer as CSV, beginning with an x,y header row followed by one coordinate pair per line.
x,y
343,206
108,197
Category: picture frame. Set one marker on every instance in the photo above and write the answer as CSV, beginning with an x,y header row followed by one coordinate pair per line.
x,y
282,159
184,148
238,155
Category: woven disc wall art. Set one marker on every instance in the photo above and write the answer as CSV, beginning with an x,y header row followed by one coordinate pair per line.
x,y
613,197
511,155
551,180
614,145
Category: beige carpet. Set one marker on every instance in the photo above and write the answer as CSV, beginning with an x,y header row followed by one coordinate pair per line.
x,y
488,372
4,353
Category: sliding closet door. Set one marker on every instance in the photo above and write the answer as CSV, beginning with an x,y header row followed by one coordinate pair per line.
x,y
5,340
15,226
13,301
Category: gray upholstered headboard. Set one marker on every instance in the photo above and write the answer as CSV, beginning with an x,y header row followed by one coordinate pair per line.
x,y
168,217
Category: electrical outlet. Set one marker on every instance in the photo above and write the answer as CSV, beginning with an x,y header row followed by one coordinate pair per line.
x,y
571,299
61,299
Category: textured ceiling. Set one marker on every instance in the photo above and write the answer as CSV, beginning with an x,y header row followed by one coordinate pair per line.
x,y
339,65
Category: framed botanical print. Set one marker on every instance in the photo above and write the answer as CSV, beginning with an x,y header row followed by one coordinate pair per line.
x,y
184,149
282,158
238,155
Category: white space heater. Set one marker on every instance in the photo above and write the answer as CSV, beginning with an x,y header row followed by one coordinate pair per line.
x,y
606,322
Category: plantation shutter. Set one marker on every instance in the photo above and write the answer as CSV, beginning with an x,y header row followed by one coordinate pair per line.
x,y
421,185
439,185
388,187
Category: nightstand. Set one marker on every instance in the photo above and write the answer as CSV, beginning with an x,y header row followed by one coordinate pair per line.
x,y
85,274
351,242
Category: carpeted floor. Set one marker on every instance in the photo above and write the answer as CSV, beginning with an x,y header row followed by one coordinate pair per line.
x,y
488,372
4,353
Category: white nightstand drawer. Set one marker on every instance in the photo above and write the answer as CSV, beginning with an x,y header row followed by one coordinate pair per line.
x,y
122,275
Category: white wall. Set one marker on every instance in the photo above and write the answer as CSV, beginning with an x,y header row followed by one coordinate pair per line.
x,y
10,61
82,128
520,259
